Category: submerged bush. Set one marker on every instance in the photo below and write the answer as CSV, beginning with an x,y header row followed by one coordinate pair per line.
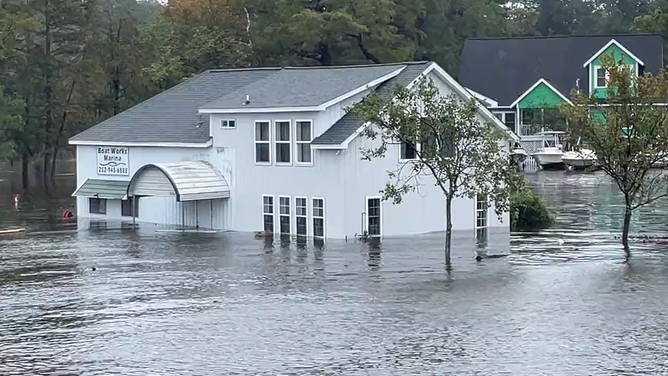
x,y
528,212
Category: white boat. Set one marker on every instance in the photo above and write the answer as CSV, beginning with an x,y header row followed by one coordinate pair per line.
x,y
581,159
549,156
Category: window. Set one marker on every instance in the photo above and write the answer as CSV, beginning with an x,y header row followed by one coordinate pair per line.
x,y
373,215
97,205
126,208
318,217
284,214
283,141
262,143
304,137
601,77
408,151
481,211
301,216
499,115
535,120
268,213
509,120
228,123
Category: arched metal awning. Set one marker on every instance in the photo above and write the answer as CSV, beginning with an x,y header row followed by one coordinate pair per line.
x,y
186,181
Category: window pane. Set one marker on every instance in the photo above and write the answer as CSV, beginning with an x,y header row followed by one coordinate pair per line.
x,y
300,206
282,131
262,131
285,224
283,153
408,151
303,131
499,116
510,121
262,153
318,227
304,153
284,203
374,225
269,223
301,226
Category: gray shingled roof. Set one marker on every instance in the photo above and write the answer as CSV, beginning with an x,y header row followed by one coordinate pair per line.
x,y
302,87
172,115
350,122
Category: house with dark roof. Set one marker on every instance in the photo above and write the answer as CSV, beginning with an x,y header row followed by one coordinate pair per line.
x,y
523,81
264,149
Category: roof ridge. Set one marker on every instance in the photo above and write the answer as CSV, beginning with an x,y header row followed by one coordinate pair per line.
x,y
570,36
358,65
245,69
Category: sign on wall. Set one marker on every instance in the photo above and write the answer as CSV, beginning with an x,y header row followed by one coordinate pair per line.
x,y
113,160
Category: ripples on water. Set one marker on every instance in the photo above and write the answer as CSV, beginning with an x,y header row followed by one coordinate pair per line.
x,y
172,304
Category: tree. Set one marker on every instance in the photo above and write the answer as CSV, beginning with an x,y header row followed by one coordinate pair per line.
x,y
628,133
11,123
454,150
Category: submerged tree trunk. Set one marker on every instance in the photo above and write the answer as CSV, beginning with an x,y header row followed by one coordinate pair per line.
x,y
448,233
625,232
54,164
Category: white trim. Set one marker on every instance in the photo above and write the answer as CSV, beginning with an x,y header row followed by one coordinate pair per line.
x,y
145,144
228,122
297,142
612,41
255,142
540,81
324,221
276,143
607,77
319,108
301,216
289,215
492,102
463,92
340,146
273,212
380,215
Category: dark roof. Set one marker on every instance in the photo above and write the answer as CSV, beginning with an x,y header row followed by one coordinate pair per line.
x,y
350,122
302,87
172,116
504,68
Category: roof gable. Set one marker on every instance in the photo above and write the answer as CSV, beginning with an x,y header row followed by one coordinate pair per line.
x,y
540,94
503,68
608,48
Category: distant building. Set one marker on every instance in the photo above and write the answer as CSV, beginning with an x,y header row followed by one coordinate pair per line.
x,y
523,81
263,149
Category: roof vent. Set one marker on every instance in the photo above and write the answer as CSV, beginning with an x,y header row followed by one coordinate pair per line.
x,y
247,102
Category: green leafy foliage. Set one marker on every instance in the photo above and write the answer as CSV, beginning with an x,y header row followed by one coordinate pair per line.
x,y
11,123
628,131
528,212
454,150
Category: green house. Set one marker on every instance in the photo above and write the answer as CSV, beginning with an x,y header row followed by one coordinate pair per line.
x,y
524,81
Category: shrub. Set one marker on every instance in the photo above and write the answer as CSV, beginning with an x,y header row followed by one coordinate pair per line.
x,y
528,212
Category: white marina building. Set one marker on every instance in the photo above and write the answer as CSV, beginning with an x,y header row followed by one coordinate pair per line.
x,y
263,149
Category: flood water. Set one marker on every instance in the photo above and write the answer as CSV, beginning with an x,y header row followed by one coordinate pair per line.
x,y
563,302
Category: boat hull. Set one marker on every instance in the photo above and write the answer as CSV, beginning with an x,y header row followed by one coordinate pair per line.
x,y
551,161
579,163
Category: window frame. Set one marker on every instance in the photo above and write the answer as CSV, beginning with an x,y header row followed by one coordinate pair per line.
x,y
99,201
598,68
276,142
403,145
256,142
273,213
298,143
134,212
301,216
228,122
380,216
485,211
281,215
314,217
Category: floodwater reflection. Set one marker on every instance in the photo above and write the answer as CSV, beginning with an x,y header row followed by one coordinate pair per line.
x,y
117,300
